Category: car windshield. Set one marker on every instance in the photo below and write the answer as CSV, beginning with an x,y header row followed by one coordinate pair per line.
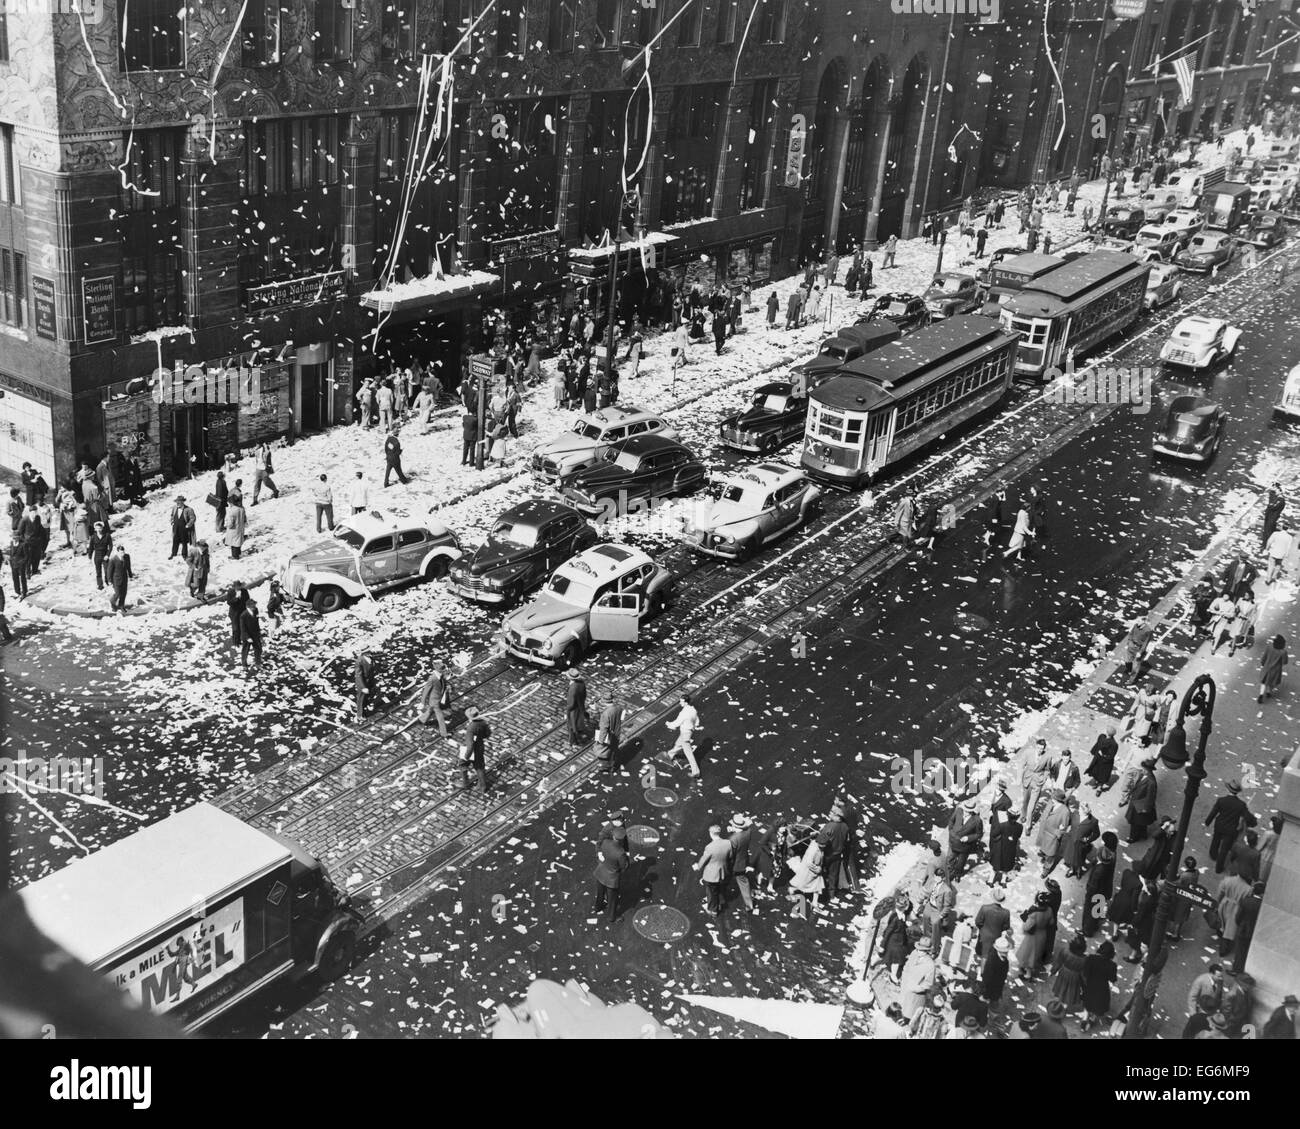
x,y
512,533
949,285
625,459
586,430
571,589
350,537
1200,243
837,351
727,491
896,307
1186,426
770,401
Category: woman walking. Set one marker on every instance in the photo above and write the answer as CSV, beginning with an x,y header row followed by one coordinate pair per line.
x,y
807,883
1274,659
1099,973
904,518
1141,724
1067,983
1243,623
1038,921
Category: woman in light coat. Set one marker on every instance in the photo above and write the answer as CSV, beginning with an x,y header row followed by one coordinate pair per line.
x,y
1145,708
905,517
236,519
807,882
1020,534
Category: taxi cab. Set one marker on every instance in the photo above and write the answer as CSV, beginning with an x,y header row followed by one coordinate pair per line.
x,y
603,595
748,510
368,553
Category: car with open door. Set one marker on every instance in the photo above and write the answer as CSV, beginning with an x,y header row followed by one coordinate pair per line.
x,y
601,596
524,546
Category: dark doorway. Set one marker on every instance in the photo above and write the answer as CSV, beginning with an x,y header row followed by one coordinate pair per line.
x,y
314,398
189,440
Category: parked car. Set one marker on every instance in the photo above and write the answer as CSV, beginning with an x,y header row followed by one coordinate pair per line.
x,y
1185,222
590,437
1123,221
368,553
1198,342
952,293
1280,189
1159,202
1287,404
633,474
1193,430
1127,247
1162,241
1260,198
604,595
850,343
1266,230
1207,250
776,416
1164,285
907,311
1188,186
525,545
748,510
984,273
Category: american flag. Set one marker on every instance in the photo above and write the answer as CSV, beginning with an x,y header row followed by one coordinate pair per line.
x,y
1183,70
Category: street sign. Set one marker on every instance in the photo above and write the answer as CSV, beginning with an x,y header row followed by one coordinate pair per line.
x,y
1197,895
480,366
1128,9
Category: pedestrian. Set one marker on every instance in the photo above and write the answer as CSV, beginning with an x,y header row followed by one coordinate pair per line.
x,y
1067,969
1005,830
383,396
609,727
220,499
1273,508
1278,549
1268,846
250,635
1271,664
393,458
895,936
686,723
262,471
1038,921
1099,885
918,977
182,523
577,720
469,438
613,861
1227,901
1247,917
363,677
1282,1022
18,566
236,520
966,837
739,835
997,967
117,573
1084,831
363,404
236,598
1155,861
323,498
713,867
1243,624
1099,973
807,879
1052,831
981,238
275,604
473,751
1229,815
1020,535
938,906
1138,799
1239,576
359,494
891,248
1222,612
904,519
773,305
1189,879
1102,765
196,575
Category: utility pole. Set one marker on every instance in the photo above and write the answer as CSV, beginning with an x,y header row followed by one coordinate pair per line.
x,y
1199,700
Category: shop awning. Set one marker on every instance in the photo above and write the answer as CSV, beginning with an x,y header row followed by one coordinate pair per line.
x,y
430,293
602,253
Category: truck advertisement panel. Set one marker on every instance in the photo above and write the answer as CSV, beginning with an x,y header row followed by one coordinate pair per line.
x,y
177,967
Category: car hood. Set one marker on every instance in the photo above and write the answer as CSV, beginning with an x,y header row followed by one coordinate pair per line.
x,y
567,443
545,611
488,558
819,363
751,417
322,553
602,474
718,514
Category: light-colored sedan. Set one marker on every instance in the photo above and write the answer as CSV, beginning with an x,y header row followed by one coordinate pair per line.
x,y
1185,222
1164,285
1199,342
748,510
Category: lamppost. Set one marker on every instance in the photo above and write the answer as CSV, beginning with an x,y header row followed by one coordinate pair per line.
x,y
1199,700
613,284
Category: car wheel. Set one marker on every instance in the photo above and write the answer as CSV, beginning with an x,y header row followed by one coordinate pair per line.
x,y
571,656
338,954
748,548
328,599
436,569
769,444
657,604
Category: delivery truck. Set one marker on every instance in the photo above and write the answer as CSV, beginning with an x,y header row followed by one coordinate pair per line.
x,y
1226,206
197,912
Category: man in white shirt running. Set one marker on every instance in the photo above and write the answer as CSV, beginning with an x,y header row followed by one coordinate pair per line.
x,y
686,723
1279,547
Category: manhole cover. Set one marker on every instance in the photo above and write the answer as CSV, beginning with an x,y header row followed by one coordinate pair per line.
x,y
661,923
642,836
660,797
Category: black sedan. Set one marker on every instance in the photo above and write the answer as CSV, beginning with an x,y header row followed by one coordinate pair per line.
x,y
633,475
1207,250
1123,221
1193,430
1266,231
527,543
907,311
775,417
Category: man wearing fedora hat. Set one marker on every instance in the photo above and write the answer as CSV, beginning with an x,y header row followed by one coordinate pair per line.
x,y
992,920
182,521
1281,1024
1053,1024
575,708
1139,799
918,977
1029,1026
739,833
997,967
613,861
1052,832
1218,1028
1228,815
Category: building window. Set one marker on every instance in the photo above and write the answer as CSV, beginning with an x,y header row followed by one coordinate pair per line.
x,y
523,169
512,26
771,21
333,31
153,38
394,144
4,36
602,163
762,115
457,18
561,28
640,25
691,156
13,287
151,291
727,11
261,34
607,23
153,169
688,25
397,31
11,188
291,155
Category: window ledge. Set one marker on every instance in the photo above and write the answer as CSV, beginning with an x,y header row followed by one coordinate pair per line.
x,y
15,332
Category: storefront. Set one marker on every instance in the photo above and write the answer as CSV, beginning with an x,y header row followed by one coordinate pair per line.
x,y
26,428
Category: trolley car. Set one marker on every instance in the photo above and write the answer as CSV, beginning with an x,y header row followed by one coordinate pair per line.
x,y
886,405
1074,307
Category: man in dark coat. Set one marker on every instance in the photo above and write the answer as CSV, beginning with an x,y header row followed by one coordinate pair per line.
x,y
363,675
182,520
833,839
993,978
740,834
222,494
250,635
1139,800
236,597
98,548
469,437
719,331
18,566
966,837
1156,860
1053,1025
1101,880
1102,765
609,870
1004,843
1228,815
1243,859
1272,511
1079,841
474,750
1239,576
117,572
992,920
393,458
575,709
1281,1024
1247,916
609,729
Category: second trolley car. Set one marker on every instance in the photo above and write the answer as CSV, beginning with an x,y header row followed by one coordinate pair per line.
x,y
884,406
1074,307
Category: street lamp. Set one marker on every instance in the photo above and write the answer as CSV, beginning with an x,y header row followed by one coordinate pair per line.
x,y
623,205
1199,700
